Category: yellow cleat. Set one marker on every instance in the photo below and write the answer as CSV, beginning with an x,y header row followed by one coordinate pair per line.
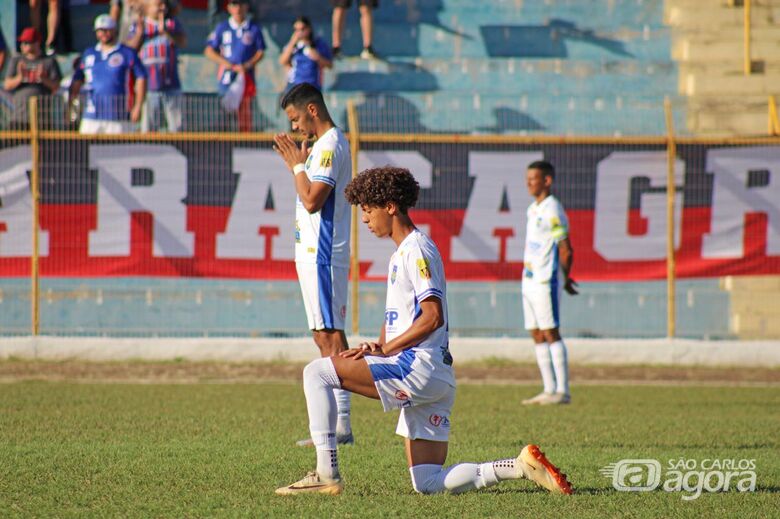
x,y
311,483
538,469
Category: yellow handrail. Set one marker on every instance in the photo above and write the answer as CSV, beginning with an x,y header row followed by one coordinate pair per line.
x,y
35,309
671,190
773,121
354,144
747,58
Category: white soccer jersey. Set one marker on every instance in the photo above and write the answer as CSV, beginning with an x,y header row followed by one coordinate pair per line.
x,y
547,226
416,272
323,237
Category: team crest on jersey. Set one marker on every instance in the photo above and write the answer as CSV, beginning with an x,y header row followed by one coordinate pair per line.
x,y
326,159
247,38
394,274
423,268
116,60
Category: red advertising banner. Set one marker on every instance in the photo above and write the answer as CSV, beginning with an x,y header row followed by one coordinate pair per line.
x,y
221,210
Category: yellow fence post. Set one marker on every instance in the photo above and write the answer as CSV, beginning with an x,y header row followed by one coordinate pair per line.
x,y
773,122
747,58
671,188
354,145
36,196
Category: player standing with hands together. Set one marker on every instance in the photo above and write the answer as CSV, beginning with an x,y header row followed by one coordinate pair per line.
x,y
547,248
322,226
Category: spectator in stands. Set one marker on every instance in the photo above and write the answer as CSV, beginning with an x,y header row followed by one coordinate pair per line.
x,y
29,74
158,37
237,45
116,82
52,21
2,49
305,55
126,12
366,25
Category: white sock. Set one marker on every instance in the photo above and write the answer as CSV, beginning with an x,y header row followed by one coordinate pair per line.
x,y
432,479
319,380
507,469
545,362
343,401
561,366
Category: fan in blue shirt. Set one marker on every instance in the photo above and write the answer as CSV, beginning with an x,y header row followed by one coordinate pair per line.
x,y
305,55
114,76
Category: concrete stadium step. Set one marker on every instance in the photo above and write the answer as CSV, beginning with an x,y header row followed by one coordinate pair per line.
x,y
727,115
714,16
717,50
704,84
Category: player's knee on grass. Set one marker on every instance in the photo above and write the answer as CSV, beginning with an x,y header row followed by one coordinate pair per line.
x,y
433,479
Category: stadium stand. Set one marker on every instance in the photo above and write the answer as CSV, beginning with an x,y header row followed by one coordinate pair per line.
x,y
551,67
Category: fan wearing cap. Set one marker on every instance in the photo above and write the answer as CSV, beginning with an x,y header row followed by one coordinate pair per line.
x,y
237,45
30,73
116,82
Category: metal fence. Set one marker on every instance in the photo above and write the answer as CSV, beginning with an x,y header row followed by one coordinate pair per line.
x,y
63,273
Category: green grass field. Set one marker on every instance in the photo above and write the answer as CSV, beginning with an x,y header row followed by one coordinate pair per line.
x,y
205,450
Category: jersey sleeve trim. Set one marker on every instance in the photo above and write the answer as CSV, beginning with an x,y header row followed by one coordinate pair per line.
x,y
322,178
435,292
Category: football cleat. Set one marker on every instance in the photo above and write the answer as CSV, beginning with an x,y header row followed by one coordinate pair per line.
x,y
346,439
312,484
556,398
537,468
538,399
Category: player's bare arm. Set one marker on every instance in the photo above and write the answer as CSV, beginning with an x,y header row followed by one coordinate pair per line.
x,y
312,194
567,258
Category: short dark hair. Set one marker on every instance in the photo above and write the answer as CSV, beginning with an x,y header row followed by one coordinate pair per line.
x,y
301,95
377,187
545,167
304,20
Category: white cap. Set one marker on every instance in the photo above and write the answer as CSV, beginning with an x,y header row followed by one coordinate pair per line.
x,y
104,21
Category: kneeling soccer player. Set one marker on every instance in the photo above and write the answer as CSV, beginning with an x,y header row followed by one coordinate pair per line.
x,y
410,366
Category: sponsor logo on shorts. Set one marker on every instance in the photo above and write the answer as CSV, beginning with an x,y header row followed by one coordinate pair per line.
x,y
439,421
401,395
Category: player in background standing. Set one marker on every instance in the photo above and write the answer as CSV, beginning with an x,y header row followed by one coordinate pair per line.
x,y
322,226
410,366
547,248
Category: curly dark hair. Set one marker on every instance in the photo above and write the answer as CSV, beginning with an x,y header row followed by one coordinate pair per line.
x,y
379,186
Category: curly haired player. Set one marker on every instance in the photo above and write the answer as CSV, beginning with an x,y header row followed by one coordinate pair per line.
x,y
409,367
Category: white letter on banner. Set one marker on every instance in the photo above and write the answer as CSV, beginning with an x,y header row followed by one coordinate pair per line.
x,y
16,205
118,197
250,224
486,226
732,199
613,198
372,249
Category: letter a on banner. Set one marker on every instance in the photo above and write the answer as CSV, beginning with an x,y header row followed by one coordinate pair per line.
x,y
251,223
746,180
16,205
487,224
140,178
